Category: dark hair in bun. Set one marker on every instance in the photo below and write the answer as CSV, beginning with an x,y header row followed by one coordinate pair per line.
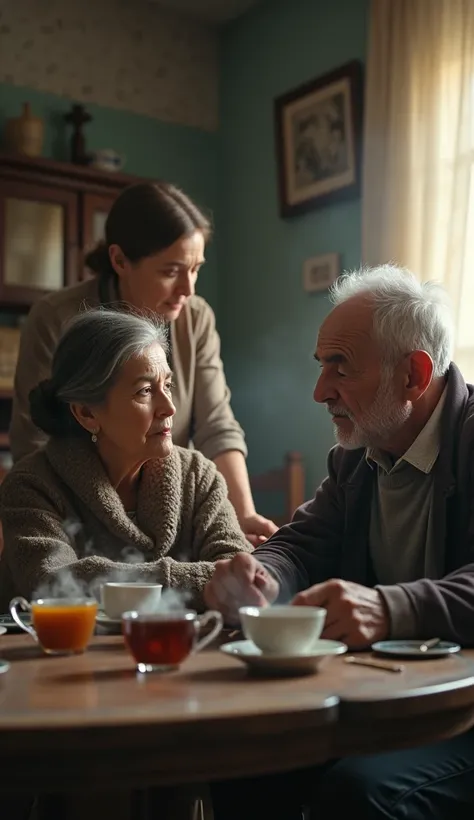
x,y
98,261
49,413
87,361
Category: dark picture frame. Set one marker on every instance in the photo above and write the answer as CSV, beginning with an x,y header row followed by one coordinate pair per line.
x,y
318,131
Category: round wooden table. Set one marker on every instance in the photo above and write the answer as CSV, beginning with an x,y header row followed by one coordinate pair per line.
x,y
89,718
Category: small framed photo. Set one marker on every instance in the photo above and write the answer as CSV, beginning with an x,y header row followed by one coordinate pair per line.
x,y
318,129
320,272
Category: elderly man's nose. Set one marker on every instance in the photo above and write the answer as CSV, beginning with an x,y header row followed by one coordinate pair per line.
x,y
324,390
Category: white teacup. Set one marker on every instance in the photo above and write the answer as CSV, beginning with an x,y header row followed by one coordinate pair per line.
x,y
283,630
122,597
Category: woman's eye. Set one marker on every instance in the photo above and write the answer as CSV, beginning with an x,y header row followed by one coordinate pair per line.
x,y
339,373
169,387
171,273
145,391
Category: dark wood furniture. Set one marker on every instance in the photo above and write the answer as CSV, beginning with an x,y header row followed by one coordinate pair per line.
x,y
94,721
288,481
55,209
51,213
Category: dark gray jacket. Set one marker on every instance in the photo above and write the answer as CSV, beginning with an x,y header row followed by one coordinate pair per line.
x,y
328,536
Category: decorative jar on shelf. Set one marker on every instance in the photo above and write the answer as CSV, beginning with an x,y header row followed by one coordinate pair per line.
x,y
24,134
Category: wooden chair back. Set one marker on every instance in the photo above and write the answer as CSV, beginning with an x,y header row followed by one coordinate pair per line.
x,y
288,480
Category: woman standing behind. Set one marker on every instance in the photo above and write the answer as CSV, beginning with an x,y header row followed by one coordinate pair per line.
x,y
155,238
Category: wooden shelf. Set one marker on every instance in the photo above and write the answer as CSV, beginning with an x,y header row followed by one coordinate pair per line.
x,y
6,393
78,177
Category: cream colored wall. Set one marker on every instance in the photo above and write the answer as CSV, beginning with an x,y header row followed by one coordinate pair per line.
x,y
124,54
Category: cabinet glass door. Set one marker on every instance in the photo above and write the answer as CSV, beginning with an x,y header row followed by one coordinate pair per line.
x,y
38,241
94,216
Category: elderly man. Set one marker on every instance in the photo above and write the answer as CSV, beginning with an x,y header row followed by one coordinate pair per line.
x,y
386,545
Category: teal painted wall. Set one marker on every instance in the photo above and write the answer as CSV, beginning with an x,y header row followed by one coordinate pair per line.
x,y
268,323
185,156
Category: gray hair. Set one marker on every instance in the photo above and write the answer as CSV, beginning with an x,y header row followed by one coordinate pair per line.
x,y
87,361
408,315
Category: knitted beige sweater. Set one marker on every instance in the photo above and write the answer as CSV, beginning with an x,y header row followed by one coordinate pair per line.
x,y
65,526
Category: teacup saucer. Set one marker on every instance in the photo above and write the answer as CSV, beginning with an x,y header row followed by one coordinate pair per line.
x,y
109,623
411,649
300,664
7,624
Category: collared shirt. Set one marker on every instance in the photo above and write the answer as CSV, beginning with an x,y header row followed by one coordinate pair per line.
x,y
401,520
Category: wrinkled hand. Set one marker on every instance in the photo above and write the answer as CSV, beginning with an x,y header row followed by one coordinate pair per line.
x,y
239,581
356,615
257,529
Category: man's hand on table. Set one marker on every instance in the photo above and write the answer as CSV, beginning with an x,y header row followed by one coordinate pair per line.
x,y
239,581
356,615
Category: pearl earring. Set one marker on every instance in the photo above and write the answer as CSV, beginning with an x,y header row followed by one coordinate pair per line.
x,y
94,436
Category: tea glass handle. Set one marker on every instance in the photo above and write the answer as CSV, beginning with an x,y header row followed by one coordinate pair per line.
x,y
23,604
202,620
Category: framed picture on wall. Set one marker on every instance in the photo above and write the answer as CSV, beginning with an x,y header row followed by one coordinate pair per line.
x,y
318,129
320,272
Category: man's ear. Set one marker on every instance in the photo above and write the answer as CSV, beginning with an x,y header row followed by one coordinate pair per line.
x,y
419,374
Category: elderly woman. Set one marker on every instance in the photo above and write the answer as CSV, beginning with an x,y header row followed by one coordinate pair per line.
x,y
155,239
109,486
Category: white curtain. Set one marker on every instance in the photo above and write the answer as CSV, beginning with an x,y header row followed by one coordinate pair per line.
x,y
418,177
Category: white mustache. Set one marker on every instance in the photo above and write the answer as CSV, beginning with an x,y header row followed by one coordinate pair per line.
x,y
338,411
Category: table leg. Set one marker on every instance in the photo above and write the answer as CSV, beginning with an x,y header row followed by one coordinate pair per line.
x,y
139,805
51,807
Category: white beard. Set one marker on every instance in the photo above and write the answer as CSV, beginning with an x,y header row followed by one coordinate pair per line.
x,y
384,418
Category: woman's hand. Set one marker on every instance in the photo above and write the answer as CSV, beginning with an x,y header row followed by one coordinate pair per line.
x,y
257,529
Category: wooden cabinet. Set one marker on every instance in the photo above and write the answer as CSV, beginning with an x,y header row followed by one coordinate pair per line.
x,y
95,208
51,213
38,240
94,214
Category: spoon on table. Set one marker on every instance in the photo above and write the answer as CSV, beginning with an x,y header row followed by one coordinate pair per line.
x,y
426,645
386,666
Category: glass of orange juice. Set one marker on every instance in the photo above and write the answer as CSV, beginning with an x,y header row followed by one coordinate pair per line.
x,y
62,626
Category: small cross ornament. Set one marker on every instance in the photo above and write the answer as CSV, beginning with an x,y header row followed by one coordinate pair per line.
x,y
78,117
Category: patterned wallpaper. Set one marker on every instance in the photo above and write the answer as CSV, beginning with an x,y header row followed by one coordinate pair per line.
x,y
127,54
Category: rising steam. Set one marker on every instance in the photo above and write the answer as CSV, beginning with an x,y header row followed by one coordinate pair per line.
x,y
66,585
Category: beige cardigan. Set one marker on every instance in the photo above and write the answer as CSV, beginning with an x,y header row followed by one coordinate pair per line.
x,y
59,510
202,398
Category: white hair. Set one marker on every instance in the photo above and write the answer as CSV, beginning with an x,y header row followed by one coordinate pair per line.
x,y
408,315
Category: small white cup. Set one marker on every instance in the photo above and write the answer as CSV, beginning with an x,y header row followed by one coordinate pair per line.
x,y
283,630
118,598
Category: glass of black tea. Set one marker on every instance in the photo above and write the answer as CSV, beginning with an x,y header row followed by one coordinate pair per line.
x,y
161,641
